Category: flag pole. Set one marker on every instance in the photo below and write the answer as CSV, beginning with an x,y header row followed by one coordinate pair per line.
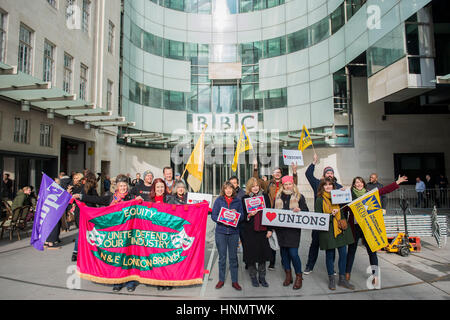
x,y
185,167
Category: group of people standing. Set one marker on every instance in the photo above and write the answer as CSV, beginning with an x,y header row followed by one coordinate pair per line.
x,y
83,187
281,192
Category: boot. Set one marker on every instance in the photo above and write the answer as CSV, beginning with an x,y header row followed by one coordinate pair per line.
x,y
255,282
298,281
347,276
263,281
331,282
288,279
344,283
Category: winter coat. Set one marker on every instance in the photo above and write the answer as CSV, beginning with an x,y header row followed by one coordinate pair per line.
x,y
326,238
222,203
270,186
174,199
289,237
314,182
256,245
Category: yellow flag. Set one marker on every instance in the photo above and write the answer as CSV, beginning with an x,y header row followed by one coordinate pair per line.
x,y
369,215
242,146
305,139
195,163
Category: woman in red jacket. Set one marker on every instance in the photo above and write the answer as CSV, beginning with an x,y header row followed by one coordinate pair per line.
x,y
358,190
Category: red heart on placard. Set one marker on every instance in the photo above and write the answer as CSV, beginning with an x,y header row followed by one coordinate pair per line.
x,y
285,156
271,216
190,201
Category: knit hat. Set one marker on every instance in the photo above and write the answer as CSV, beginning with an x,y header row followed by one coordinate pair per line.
x,y
287,179
148,172
327,169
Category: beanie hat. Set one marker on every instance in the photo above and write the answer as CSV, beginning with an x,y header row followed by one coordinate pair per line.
x,y
287,179
327,169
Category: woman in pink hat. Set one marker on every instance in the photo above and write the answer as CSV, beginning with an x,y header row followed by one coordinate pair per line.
x,y
289,198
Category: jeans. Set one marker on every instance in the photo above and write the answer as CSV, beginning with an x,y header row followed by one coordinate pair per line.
x,y
313,250
419,199
75,248
373,259
288,255
129,284
330,256
227,243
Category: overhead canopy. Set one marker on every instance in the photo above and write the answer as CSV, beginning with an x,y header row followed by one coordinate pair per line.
x,y
39,94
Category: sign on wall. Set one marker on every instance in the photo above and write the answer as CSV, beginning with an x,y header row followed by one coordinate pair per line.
x,y
224,122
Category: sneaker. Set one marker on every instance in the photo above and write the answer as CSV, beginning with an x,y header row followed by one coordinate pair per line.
x,y
307,270
271,267
117,288
255,282
131,289
74,257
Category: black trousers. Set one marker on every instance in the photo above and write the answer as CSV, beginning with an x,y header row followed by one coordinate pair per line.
x,y
54,235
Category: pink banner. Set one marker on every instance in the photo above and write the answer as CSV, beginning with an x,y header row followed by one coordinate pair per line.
x,y
157,244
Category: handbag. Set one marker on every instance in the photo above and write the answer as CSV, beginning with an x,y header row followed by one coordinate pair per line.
x,y
273,241
342,224
70,216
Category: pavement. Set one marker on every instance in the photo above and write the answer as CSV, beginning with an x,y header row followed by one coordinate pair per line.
x,y
29,274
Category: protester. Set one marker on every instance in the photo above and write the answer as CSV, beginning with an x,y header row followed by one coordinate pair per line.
x,y
420,189
257,249
90,189
314,183
168,179
289,198
271,187
64,180
235,182
372,184
227,237
179,195
158,191
143,189
337,237
358,190
137,181
159,194
121,194
178,178
107,184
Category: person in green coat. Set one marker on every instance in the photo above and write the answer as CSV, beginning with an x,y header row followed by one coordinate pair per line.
x,y
337,237
22,198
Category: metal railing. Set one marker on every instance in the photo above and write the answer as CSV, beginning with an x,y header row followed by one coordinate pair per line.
x,y
425,200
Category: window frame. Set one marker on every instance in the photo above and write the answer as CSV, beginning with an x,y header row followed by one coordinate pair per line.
x,y
68,74
25,59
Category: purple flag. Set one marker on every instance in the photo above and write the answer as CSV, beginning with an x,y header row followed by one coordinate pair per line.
x,y
52,202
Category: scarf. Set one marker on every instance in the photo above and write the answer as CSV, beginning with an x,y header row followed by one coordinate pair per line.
x,y
358,193
328,207
293,201
257,226
118,197
228,200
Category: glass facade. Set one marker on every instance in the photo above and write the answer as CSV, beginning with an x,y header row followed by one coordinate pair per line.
x,y
207,6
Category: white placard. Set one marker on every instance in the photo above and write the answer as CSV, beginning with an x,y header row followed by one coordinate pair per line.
x,y
339,196
292,156
299,220
199,197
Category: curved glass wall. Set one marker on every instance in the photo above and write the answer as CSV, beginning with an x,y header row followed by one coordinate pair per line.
x,y
269,48
205,6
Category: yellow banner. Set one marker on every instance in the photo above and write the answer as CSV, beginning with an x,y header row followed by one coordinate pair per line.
x,y
305,139
369,215
243,145
195,163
